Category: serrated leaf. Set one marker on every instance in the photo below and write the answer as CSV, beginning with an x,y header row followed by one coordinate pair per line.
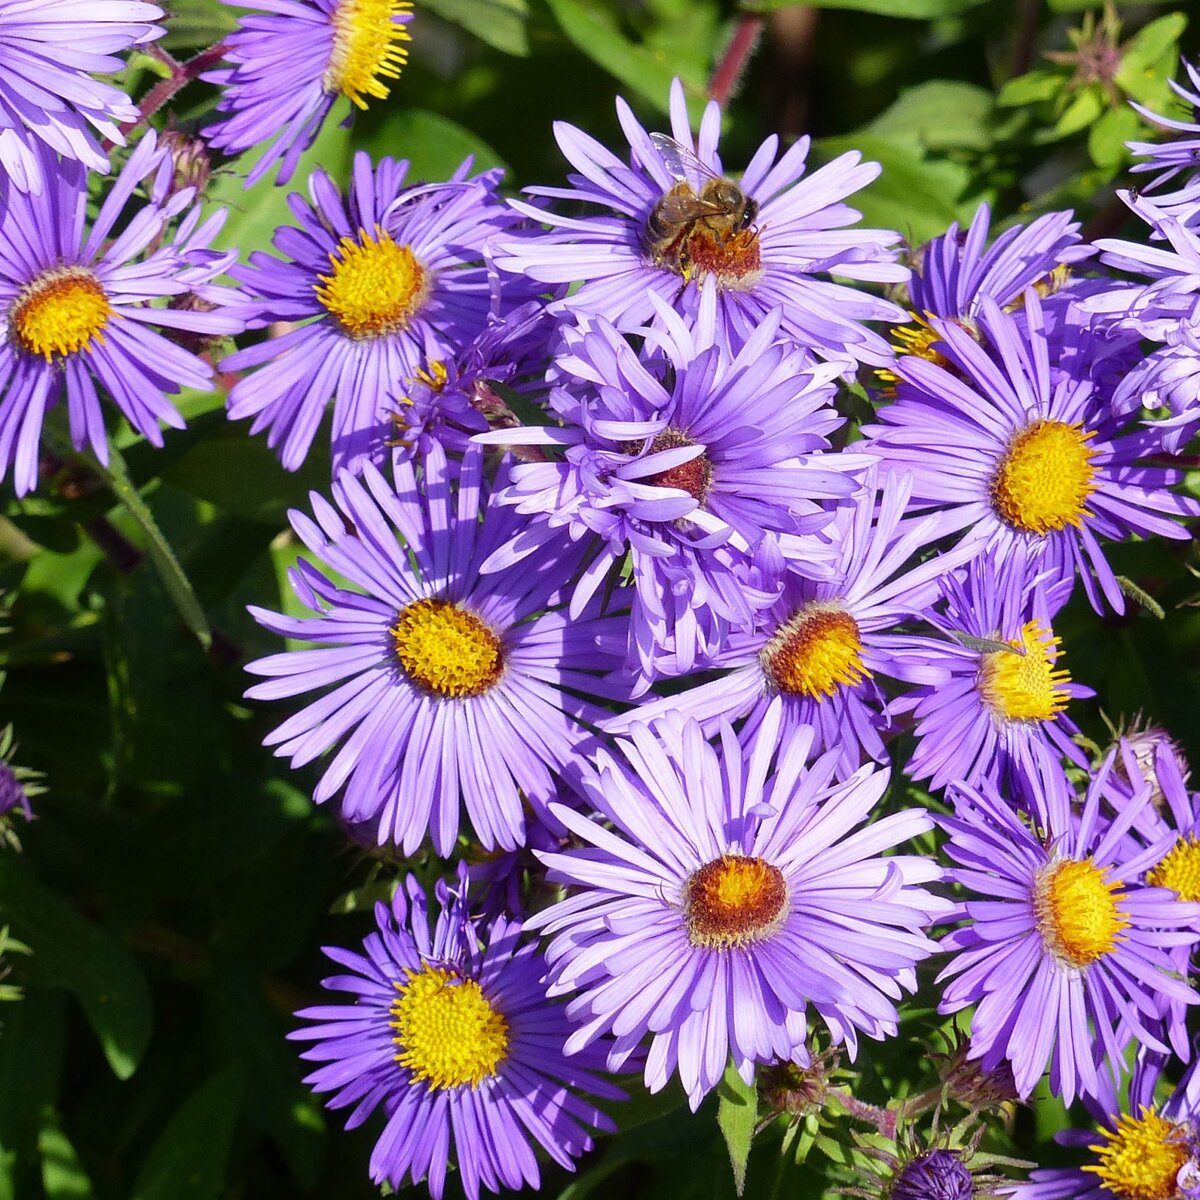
x,y
187,1162
71,952
63,1175
500,23
737,1116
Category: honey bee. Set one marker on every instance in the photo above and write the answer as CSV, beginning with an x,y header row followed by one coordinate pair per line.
x,y
701,205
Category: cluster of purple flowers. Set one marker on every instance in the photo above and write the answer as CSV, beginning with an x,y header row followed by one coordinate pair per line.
x,y
603,575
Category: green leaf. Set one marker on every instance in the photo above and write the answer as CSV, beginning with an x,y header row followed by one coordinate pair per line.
x,y
942,114
1031,88
197,23
737,1115
594,28
434,145
917,10
188,1160
63,1175
174,580
1086,107
1152,43
71,952
500,23
915,194
1107,137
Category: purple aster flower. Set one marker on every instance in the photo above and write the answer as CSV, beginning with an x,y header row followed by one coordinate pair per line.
x,y
982,719
77,304
383,281
453,1036
686,461
1180,150
938,1174
735,890
957,269
1063,954
445,683
49,50
822,645
768,244
1141,1151
292,60
1015,455
449,401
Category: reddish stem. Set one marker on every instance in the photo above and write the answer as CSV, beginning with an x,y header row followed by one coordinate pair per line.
x,y
733,62
181,75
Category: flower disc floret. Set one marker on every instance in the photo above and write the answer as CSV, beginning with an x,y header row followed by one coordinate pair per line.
x,y
446,649
64,310
1179,869
1024,686
374,286
448,1033
1045,477
1141,1158
368,47
1078,913
815,653
694,476
935,1175
733,901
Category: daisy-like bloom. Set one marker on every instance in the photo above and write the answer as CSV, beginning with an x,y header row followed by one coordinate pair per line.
x,y
1139,1152
735,890
49,50
1014,456
77,304
1063,953
981,721
822,646
292,60
453,1036
382,283
686,461
783,235
444,683
1180,150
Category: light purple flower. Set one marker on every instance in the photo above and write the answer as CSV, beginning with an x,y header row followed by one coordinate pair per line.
x,y
801,233
821,647
292,60
49,51
1013,454
1063,954
735,890
78,304
1180,149
453,1036
686,458
982,720
383,282
444,687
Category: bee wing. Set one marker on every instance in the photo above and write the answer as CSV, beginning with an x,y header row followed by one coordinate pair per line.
x,y
679,208
682,162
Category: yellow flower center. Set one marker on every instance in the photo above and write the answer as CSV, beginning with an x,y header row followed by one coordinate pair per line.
x,y
1045,477
1179,869
446,649
1140,1159
1025,686
815,653
60,313
367,43
734,900
447,1030
374,286
917,340
1077,913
